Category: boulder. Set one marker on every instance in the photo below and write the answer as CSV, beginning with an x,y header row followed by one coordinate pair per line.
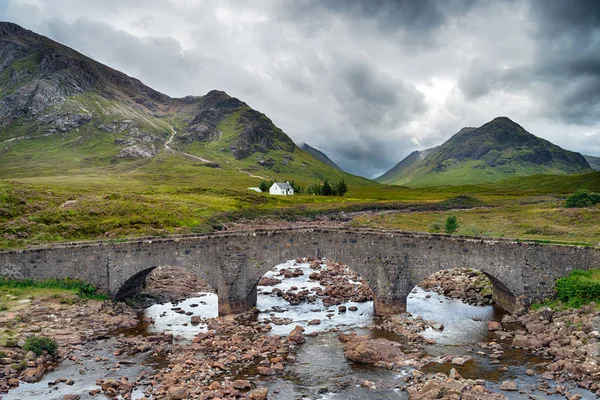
x,y
177,393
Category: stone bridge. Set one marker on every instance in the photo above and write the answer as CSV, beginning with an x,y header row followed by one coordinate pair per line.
x,y
392,262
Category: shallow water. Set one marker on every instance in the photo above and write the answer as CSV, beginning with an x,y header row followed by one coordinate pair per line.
x,y
321,370
84,371
270,305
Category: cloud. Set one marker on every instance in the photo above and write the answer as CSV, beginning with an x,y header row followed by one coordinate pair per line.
x,y
356,79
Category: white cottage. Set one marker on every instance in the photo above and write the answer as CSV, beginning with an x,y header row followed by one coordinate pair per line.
x,y
281,188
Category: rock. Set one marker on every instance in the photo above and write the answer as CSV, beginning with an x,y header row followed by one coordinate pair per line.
x,y
138,151
494,326
454,374
177,393
215,386
588,367
259,393
460,360
296,335
509,386
241,384
521,341
266,371
71,397
267,281
437,326
361,349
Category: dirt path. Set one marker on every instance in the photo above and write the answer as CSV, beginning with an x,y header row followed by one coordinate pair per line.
x,y
168,148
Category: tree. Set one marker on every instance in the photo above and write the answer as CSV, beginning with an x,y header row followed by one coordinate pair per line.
x,y
342,188
451,224
314,189
264,186
326,189
297,188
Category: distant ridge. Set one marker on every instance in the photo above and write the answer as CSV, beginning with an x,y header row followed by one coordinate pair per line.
x,y
319,155
594,162
497,150
405,164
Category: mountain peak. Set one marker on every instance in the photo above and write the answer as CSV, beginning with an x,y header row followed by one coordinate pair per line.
x,y
497,150
504,123
319,155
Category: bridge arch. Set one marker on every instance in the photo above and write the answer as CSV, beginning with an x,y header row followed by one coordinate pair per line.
x,y
392,262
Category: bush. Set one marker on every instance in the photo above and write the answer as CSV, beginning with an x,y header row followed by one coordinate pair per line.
x,y
582,198
451,224
435,227
579,288
39,344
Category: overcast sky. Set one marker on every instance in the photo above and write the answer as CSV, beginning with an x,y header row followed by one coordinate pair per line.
x,y
367,82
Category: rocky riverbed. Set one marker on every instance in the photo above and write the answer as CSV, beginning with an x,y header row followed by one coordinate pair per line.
x,y
313,335
466,284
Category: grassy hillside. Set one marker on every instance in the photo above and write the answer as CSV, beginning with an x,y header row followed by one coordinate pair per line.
x,y
496,151
166,197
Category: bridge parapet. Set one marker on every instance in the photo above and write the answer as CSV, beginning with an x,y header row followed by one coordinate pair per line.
x,y
392,262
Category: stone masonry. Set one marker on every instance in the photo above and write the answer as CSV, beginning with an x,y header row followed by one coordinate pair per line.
x,y
392,262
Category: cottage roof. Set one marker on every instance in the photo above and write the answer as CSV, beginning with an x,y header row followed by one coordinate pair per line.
x,y
283,185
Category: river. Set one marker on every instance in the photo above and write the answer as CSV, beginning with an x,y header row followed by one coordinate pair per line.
x,y
321,371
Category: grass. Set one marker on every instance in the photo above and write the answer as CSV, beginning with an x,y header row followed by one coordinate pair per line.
x,y
546,220
82,289
150,201
56,193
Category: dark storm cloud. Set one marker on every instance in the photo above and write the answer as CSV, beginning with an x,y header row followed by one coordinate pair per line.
x,y
419,18
565,70
568,55
375,100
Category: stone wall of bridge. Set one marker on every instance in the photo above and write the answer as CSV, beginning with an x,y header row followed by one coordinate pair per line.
x,y
392,262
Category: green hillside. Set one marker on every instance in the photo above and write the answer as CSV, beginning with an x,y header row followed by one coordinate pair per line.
x,y
62,113
498,150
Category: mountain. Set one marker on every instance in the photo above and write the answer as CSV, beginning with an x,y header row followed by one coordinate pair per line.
x,y
319,155
404,165
593,161
62,112
497,150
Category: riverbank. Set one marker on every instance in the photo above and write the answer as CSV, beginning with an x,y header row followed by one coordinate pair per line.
x,y
183,351
569,338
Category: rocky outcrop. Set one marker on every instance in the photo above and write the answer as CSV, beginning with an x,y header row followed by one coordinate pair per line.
x,y
228,346
468,285
64,319
378,352
138,151
254,131
259,134
448,387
